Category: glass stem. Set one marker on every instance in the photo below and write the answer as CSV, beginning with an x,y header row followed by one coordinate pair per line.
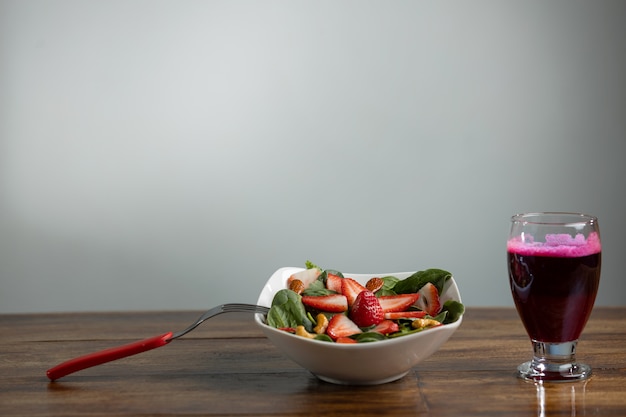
x,y
554,354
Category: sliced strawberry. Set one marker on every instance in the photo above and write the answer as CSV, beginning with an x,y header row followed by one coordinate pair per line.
x,y
332,303
395,315
333,282
386,327
341,326
347,340
287,329
351,288
429,299
307,276
366,310
400,302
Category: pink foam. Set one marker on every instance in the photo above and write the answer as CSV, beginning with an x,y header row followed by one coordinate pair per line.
x,y
564,246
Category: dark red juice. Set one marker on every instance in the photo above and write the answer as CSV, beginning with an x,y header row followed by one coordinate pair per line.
x,y
554,290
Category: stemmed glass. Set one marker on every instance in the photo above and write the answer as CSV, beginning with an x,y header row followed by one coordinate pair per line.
x,y
554,263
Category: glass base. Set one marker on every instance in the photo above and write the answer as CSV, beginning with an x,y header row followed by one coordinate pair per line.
x,y
554,362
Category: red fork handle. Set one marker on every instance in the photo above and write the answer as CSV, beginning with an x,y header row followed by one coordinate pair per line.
x,y
107,355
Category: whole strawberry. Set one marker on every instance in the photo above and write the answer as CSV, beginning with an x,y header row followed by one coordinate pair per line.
x,y
366,310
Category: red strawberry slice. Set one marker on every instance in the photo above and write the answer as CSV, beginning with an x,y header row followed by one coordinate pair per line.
x,y
351,289
366,310
332,303
341,326
287,329
333,282
386,327
429,299
396,315
400,302
307,276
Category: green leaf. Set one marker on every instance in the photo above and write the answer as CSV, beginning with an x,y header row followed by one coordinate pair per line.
x,y
415,282
368,337
324,338
404,330
317,287
389,282
311,265
288,311
334,272
454,311
441,317
405,327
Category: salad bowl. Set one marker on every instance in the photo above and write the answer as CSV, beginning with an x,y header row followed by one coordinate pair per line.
x,y
371,363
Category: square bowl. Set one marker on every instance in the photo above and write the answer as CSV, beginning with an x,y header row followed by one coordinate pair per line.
x,y
362,363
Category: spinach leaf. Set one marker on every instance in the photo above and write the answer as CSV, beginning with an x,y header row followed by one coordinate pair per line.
x,y
334,272
441,317
323,338
388,283
454,310
317,287
406,327
368,337
412,284
288,311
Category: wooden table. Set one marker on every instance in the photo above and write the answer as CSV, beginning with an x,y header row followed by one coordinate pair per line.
x,y
227,367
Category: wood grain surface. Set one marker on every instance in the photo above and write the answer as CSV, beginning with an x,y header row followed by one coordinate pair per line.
x,y
227,367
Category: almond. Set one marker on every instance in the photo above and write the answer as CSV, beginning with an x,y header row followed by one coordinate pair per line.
x,y
296,286
374,284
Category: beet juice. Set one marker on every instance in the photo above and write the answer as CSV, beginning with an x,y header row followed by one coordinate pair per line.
x,y
554,284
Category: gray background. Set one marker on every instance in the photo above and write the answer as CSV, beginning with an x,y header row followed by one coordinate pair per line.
x,y
173,154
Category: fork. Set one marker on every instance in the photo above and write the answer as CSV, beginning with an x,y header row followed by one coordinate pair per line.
x,y
111,354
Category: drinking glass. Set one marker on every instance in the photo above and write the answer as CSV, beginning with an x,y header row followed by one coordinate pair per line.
x,y
554,271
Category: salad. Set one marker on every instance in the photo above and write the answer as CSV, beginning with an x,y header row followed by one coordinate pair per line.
x,y
325,305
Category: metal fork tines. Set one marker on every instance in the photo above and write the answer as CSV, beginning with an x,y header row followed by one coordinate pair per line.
x,y
223,308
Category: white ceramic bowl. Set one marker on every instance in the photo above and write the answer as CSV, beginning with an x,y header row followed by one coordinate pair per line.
x,y
356,364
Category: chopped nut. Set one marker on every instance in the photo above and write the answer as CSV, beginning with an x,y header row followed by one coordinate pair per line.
x,y
301,331
425,323
374,284
296,286
322,324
